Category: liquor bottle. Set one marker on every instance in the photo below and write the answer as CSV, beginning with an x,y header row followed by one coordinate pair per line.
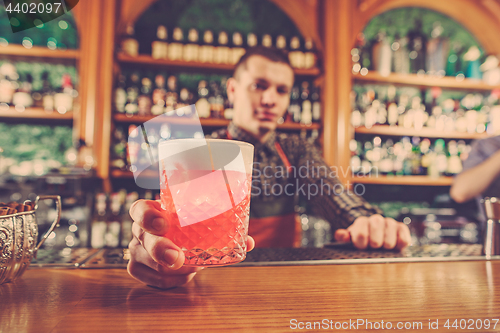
x,y
192,49
417,48
133,147
130,45
184,100
309,53
47,93
159,47
267,40
316,105
237,49
8,76
202,105
252,40
121,94
113,221
144,100
63,100
132,107
175,49
22,97
437,51
216,101
400,56
127,221
454,162
294,107
99,226
382,55
453,62
471,59
159,96
281,42
119,149
306,105
296,56
172,94
206,53
221,52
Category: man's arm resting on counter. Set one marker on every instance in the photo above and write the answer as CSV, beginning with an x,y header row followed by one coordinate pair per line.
x,y
472,182
355,219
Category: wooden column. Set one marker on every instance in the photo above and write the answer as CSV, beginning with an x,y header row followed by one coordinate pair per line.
x,y
337,43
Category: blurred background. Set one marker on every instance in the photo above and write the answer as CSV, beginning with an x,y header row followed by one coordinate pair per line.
x,y
394,91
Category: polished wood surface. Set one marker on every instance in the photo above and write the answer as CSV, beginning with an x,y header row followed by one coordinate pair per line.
x,y
252,299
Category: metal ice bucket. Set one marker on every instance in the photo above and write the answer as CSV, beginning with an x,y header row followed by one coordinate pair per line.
x,y
18,236
492,235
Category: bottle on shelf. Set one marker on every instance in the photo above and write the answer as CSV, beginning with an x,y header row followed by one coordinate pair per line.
x,y
309,53
252,40
47,93
172,94
417,48
113,223
281,42
202,105
237,49
306,105
130,45
216,101
8,78
207,49
132,107
294,108
98,226
119,149
63,100
221,52
159,47
437,51
382,54
176,47
144,100
121,94
126,227
22,97
159,96
400,55
316,105
192,47
296,55
267,40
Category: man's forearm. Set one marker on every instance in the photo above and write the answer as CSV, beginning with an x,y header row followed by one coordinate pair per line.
x,y
475,181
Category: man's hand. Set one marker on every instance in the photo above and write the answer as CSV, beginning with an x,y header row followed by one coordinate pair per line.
x,y
375,231
154,259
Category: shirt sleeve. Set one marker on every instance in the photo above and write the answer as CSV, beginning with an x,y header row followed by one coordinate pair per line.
x,y
476,156
332,200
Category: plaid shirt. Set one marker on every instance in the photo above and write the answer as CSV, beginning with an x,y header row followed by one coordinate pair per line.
x,y
308,176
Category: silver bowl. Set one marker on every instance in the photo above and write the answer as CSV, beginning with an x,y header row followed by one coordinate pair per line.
x,y
18,236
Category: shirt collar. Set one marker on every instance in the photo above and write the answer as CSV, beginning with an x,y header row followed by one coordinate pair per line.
x,y
237,133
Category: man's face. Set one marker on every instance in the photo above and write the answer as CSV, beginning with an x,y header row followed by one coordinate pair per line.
x,y
260,94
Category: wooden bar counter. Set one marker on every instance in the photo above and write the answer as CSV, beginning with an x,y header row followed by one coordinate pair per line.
x,y
258,299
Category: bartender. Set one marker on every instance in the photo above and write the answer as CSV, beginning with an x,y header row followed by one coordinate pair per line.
x,y
284,166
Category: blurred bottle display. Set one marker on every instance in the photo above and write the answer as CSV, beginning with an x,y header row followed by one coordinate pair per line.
x,y
413,109
111,225
219,47
419,45
159,47
408,156
24,85
135,95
